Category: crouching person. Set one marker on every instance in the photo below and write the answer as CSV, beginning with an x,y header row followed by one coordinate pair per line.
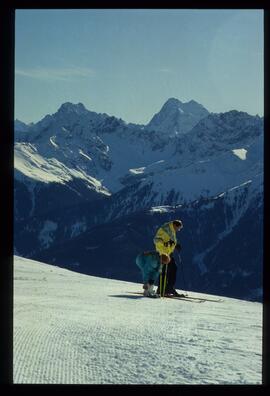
x,y
150,264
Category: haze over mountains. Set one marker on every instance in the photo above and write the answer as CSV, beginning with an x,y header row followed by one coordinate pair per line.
x,y
91,190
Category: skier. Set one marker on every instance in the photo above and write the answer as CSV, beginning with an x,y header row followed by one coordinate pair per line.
x,y
150,264
165,242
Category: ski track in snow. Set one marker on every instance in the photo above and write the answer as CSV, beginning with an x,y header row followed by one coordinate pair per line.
x,y
71,328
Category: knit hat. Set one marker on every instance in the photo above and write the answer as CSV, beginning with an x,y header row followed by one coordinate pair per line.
x,y
178,223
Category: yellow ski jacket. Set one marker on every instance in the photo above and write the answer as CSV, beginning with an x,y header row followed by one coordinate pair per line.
x,y
165,234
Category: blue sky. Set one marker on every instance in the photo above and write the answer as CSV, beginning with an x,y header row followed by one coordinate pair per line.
x,y
127,63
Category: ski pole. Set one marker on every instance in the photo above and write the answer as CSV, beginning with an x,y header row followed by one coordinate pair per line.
x,y
160,277
182,269
165,280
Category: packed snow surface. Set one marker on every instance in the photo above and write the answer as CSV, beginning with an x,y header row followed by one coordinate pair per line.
x,y
71,328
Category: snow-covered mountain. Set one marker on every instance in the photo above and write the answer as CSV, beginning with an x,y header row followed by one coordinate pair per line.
x,y
71,328
78,173
79,141
21,128
176,118
222,241
106,154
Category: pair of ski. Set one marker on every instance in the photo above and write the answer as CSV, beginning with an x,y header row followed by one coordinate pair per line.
x,y
194,299
188,298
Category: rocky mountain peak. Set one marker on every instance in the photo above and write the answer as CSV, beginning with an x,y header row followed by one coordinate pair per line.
x,y
176,117
69,107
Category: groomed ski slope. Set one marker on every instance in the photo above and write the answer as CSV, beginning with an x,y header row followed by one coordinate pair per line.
x,y
71,328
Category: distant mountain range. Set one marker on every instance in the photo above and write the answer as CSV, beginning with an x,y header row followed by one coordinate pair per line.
x,y
91,190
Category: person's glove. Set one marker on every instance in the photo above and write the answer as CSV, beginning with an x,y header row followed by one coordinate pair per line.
x,y
169,243
178,247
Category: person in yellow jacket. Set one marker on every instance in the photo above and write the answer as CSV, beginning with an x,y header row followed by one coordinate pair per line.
x,y
165,242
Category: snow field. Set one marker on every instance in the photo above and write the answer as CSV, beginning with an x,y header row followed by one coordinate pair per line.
x,y
71,328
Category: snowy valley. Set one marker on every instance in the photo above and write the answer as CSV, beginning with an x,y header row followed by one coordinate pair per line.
x,y
91,190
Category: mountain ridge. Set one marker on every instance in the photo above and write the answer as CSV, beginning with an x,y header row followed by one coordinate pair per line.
x,y
100,169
